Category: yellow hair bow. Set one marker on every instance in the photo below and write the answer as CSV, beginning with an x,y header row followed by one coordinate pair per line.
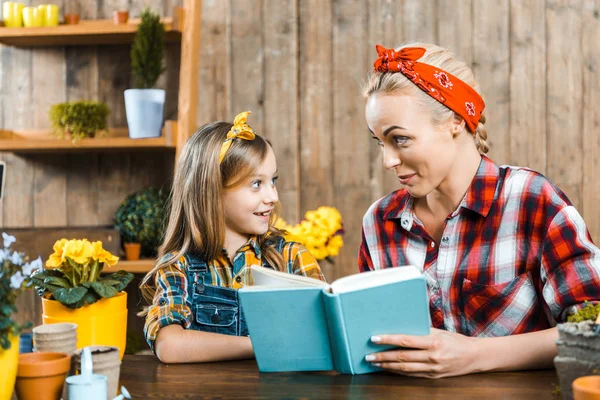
x,y
240,130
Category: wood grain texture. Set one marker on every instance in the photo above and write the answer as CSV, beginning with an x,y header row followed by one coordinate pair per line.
x,y
247,61
591,117
316,109
527,127
145,377
188,76
455,27
281,100
564,77
491,66
214,72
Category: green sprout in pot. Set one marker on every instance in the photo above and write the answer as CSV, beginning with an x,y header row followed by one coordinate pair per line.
x,y
79,119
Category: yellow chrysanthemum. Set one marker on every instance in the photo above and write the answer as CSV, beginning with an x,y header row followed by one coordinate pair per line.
x,y
103,256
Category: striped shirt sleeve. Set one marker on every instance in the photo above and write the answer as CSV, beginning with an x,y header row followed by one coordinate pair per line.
x,y
171,304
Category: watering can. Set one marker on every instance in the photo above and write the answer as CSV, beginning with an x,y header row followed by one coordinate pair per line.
x,y
89,386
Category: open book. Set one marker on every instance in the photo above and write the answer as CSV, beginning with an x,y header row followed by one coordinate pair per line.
x,y
302,324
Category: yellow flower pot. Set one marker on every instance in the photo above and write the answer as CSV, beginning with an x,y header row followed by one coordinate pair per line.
x,y
103,323
9,361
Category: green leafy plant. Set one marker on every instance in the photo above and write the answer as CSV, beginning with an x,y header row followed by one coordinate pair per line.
x,y
79,119
588,313
72,274
14,279
147,50
140,217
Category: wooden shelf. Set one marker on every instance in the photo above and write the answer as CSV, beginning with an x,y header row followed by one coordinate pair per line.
x,y
41,141
87,32
135,267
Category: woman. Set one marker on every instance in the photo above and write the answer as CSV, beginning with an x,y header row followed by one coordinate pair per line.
x,y
505,254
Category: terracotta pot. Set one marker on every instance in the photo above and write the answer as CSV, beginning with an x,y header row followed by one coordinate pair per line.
x,y
41,376
71,19
132,251
102,323
578,354
120,17
9,359
586,388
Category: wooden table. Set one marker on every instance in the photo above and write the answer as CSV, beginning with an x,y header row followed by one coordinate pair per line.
x,y
147,378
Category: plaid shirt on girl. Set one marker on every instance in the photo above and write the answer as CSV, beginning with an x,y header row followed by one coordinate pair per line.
x,y
172,303
514,257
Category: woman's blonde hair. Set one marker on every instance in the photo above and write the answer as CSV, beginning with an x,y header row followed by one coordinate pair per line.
x,y
395,82
196,223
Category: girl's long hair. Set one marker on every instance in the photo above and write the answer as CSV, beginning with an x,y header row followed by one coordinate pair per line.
x,y
196,223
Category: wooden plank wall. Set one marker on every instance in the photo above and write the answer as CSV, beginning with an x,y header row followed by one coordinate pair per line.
x,y
85,189
298,65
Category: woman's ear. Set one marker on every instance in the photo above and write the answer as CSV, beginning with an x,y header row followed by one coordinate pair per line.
x,y
457,125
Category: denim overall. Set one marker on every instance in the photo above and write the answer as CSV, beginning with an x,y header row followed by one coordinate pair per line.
x,y
215,309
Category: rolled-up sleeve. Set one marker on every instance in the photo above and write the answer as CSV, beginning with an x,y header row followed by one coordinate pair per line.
x,y
171,303
570,265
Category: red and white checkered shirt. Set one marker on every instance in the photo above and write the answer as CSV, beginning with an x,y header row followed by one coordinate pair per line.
x,y
514,257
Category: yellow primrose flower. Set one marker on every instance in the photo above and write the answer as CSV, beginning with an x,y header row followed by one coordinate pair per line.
x,y
103,256
57,258
79,251
317,231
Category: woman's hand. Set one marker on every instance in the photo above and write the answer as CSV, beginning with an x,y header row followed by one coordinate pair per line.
x,y
437,355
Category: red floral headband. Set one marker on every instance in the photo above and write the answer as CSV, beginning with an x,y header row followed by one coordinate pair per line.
x,y
437,83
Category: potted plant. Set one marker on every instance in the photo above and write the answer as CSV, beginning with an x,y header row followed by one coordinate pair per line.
x,y
139,219
79,119
14,272
144,105
73,290
578,348
320,232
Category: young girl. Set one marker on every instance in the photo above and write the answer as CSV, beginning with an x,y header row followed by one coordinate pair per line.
x,y
223,205
505,254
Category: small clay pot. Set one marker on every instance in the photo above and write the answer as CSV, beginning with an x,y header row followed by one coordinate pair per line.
x,y
132,251
41,376
120,17
71,19
586,388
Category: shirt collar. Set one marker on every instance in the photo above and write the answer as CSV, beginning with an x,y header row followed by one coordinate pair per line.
x,y
479,196
482,191
250,245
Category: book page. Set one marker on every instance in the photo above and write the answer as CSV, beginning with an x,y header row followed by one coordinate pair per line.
x,y
268,277
374,278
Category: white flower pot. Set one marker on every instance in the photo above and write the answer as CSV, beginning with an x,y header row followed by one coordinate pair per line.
x,y
144,108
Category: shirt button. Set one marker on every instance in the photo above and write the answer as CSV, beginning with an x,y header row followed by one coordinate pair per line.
x,y
432,244
445,239
215,318
404,223
238,279
162,302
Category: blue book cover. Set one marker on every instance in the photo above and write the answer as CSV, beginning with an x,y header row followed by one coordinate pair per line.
x,y
302,324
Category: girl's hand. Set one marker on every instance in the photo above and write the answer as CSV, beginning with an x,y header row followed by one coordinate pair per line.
x,y
437,355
